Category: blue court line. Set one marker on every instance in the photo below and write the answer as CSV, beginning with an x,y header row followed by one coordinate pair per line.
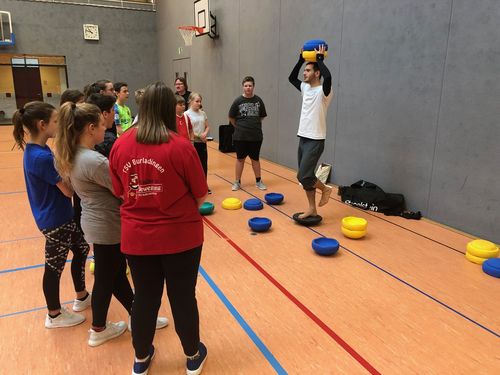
x,y
12,192
249,331
32,267
31,310
257,341
20,239
379,268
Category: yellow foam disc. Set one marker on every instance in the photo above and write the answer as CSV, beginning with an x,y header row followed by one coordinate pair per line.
x,y
310,56
231,204
354,234
354,223
474,259
482,249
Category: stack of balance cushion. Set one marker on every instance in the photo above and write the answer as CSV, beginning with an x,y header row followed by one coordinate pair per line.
x,y
480,250
354,227
308,50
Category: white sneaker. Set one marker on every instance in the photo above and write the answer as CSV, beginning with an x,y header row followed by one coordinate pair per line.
x,y
82,305
111,331
261,185
65,319
236,186
161,322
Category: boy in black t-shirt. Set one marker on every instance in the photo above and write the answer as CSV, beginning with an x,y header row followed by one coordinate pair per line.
x,y
246,115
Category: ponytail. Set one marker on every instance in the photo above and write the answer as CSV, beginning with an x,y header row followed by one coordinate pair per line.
x,y
73,119
28,117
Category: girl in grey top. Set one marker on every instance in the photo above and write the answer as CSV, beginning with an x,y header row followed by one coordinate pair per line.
x,y
81,127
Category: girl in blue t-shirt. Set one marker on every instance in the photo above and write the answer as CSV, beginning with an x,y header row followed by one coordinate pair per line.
x,y
50,201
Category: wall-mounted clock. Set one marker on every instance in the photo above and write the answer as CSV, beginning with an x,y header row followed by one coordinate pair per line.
x,y
90,32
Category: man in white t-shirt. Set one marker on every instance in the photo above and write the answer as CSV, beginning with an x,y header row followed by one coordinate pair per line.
x,y
312,126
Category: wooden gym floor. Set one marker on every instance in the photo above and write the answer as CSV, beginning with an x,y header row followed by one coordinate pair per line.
x,y
403,300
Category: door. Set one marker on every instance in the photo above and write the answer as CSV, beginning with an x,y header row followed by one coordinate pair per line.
x,y
182,68
27,85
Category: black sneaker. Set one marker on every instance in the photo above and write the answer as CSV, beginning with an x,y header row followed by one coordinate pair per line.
x,y
142,368
194,364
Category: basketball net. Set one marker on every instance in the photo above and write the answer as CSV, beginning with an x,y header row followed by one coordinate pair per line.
x,y
187,33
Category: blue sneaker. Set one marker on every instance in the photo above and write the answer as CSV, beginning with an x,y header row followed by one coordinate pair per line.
x,y
194,364
142,368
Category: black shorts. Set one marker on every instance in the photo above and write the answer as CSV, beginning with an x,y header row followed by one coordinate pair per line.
x,y
247,148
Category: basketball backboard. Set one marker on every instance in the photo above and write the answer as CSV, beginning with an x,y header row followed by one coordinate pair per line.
x,y
7,37
202,16
204,19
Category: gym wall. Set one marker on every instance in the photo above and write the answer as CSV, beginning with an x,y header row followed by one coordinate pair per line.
x,y
417,84
126,51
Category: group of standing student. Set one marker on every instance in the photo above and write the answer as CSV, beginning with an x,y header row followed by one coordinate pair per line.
x,y
156,173
141,205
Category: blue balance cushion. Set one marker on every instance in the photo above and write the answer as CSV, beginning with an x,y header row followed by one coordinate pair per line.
x,y
492,267
274,198
311,45
259,224
253,204
325,246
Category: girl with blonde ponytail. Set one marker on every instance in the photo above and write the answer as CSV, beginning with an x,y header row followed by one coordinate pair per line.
x,y
81,128
50,201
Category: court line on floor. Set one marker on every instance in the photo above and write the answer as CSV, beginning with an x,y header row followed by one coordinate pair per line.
x,y
33,266
31,310
20,239
363,362
229,306
12,192
241,321
380,268
359,209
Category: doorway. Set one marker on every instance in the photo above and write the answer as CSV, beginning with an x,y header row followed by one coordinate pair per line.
x,y
27,84
182,68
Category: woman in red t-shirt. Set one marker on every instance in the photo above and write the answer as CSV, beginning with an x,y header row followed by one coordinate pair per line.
x,y
159,176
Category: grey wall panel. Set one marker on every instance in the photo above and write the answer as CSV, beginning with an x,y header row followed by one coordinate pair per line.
x,y
300,22
393,54
259,34
126,51
465,182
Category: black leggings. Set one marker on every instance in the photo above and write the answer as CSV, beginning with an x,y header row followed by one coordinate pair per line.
x,y
58,242
110,278
201,149
180,272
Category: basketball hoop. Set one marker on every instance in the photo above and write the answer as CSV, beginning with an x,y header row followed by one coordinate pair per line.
x,y
188,32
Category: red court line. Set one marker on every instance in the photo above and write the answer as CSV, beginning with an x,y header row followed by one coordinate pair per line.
x,y
363,362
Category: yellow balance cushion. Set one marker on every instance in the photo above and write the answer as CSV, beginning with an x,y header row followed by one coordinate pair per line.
x,y
354,234
474,259
482,249
354,223
231,204
310,56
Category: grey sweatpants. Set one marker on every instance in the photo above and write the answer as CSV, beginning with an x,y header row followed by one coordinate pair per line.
x,y
309,152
